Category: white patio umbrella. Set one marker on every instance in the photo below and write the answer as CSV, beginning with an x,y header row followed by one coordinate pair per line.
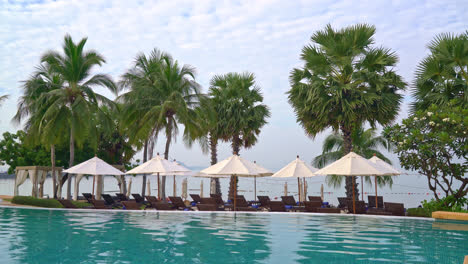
x,y
351,165
156,165
296,168
181,171
235,166
94,167
386,168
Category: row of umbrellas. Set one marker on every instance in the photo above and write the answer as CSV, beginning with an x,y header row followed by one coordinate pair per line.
x,y
350,165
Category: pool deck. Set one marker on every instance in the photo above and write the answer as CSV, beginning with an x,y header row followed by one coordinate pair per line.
x,y
450,216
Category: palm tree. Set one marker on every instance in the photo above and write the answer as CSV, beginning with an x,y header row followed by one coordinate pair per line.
x,y
344,83
33,105
240,113
442,77
365,143
75,102
168,94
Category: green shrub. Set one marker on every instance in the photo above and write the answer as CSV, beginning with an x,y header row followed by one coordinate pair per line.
x,y
81,204
28,200
448,203
418,212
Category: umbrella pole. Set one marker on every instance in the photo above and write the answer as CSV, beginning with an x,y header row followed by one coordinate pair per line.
x,y
159,188
94,180
255,188
174,187
354,199
362,188
299,189
376,205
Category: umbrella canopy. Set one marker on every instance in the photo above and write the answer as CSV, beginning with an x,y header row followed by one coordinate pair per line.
x,y
384,166
351,165
94,166
237,166
156,165
179,170
296,168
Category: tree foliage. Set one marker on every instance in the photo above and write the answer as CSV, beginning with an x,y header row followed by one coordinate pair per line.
x,y
434,143
442,76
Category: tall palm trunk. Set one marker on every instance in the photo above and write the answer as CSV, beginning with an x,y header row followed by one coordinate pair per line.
x,y
214,160
348,147
70,162
54,180
166,153
234,181
145,159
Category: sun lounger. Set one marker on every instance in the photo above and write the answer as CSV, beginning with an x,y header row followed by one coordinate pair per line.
x,y
218,198
360,207
312,206
264,201
178,202
277,206
196,198
207,207
131,205
163,206
329,210
99,204
138,198
380,201
110,201
315,199
377,211
243,205
290,203
89,197
67,203
121,197
152,199
211,202
343,202
397,209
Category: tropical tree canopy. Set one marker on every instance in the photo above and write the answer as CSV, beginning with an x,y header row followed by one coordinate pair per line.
x,y
75,105
237,100
345,82
442,76
365,143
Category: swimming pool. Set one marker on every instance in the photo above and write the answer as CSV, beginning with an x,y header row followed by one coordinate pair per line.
x,y
75,236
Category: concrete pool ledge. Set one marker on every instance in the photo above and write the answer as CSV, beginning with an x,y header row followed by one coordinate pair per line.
x,y
382,217
450,215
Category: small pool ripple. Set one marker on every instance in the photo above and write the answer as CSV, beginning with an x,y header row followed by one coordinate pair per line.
x,y
59,236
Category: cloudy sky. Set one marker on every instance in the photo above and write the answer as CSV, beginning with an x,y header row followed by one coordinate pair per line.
x,y
264,37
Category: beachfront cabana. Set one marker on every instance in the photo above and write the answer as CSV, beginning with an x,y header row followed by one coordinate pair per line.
x,y
297,169
95,167
235,166
351,165
37,175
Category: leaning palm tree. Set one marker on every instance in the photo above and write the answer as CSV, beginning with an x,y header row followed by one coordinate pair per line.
x,y
237,101
345,82
163,94
365,143
73,105
442,77
32,107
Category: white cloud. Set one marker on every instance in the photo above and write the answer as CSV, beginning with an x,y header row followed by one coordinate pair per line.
x,y
264,37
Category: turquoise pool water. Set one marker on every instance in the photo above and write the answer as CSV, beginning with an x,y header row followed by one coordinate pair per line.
x,y
61,236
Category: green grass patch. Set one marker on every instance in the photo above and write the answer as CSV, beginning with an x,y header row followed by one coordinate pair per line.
x,y
419,212
28,200
80,204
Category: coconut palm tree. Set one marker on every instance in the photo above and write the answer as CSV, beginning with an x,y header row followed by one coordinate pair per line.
x,y
345,82
75,104
168,95
33,105
237,100
442,77
365,143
